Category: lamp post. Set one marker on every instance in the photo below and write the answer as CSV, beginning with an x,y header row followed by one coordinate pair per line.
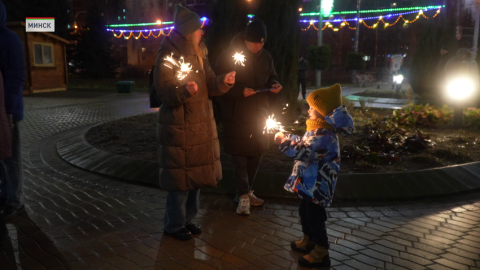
x,y
357,30
319,41
75,19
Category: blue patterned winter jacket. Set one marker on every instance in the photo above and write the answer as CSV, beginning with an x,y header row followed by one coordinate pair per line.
x,y
317,158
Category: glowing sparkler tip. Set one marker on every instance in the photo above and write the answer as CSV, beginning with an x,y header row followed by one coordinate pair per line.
x,y
239,58
272,125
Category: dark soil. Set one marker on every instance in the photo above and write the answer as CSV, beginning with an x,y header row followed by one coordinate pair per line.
x,y
136,137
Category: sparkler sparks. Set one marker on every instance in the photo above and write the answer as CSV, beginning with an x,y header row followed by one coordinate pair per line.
x,y
239,59
184,70
272,125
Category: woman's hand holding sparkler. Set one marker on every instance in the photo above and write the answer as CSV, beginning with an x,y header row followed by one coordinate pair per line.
x,y
230,78
279,137
192,88
248,92
277,88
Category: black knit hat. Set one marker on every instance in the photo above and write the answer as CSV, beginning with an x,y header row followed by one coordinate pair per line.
x,y
186,21
256,32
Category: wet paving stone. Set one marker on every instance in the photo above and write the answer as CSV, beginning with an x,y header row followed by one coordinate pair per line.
x,y
75,219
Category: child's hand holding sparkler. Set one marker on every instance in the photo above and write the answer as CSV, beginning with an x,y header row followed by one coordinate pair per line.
x,y
279,137
277,88
230,78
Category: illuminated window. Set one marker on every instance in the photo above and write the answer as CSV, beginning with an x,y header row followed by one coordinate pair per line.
x,y
43,54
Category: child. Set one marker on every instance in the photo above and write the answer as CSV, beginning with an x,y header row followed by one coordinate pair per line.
x,y
314,175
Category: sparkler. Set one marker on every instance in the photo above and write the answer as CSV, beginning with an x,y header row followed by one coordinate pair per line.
x,y
272,125
184,70
239,59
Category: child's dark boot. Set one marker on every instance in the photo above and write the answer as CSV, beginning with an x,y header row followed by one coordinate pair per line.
x,y
303,246
318,257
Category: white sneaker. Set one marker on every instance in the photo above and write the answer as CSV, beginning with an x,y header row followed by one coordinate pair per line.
x,y
243,207
254,200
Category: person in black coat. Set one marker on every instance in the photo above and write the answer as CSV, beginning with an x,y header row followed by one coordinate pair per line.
x,y
244,111
302,75
12,66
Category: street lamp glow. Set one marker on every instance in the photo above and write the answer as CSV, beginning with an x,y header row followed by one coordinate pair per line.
x,y
159,22
460,89
398,79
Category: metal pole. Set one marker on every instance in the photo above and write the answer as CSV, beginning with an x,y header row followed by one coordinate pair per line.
x,y
357,31
376,49
475,36
320,41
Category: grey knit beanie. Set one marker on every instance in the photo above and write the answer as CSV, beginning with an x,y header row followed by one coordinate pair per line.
x,y
186,21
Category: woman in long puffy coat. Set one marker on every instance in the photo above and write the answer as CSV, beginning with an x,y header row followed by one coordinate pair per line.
x,y
188,147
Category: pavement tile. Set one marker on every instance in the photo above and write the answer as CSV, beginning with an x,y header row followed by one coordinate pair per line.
x,y
377,255
365,235
407,264
343,250
93,262
277,260
385,250
358,265
350,244
468,248
202,266
452,264
276,240
369,260
414,258
458,259
125,264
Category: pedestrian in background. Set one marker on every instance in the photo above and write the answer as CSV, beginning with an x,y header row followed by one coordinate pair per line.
x,y
302,75
5,148
315,170
12,66
188,147
244,111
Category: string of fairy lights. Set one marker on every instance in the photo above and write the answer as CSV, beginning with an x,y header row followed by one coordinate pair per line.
x,y
379,19
146,33
420,11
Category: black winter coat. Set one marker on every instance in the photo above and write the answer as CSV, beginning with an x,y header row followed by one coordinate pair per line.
x,y
244,117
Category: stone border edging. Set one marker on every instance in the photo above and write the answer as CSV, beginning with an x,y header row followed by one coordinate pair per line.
x,y
369,186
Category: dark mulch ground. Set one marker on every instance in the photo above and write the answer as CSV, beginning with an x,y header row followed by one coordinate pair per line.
x,y
135,137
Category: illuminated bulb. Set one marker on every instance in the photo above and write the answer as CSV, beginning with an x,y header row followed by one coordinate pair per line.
x,y
375,25
300,9
420,12
360,20
336,29
380,18
159,22
343,24
311,22
386,25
